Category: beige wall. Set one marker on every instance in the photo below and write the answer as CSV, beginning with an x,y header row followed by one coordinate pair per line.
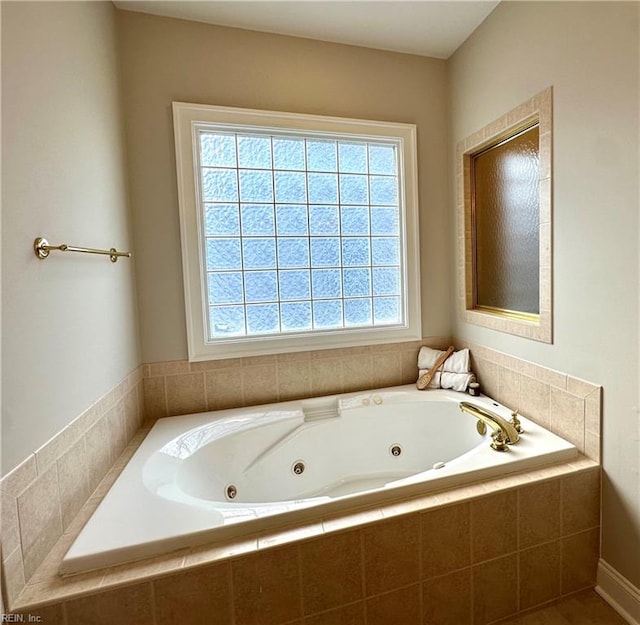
x,y
69,323
165,60
589,53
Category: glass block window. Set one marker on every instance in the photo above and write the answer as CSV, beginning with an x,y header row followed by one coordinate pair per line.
x,y
298,231
301,233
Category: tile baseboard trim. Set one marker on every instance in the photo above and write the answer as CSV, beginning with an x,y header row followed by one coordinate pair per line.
x,y
618,592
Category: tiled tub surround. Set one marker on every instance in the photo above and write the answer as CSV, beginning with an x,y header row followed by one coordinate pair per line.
x,y
42,496
217,579
568,406
180,387
429,560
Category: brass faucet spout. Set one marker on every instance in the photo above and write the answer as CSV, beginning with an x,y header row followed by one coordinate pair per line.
x,y
504,433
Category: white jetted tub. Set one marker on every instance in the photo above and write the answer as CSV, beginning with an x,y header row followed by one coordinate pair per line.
x,y
200,478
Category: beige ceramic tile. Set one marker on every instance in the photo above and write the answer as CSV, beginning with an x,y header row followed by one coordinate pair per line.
x,y
48,615
534,400
351,520
400,606
131,605
198,597
447,600
132,420
9,520
592,446
487,374
19,478
499,514
566,416
391,554
144,569
259,384
56,588
493,601
331,571
294,380
407,506
446,540
593,411
210,365
171,367
185,393
509,387
13,575
99,452
580,554
409,366
155,402
289,535
579,387
357,373
223,389
580,502
117,429
352,614
266,587
551,377
539,574
208,554
73,481
539,513
326,376
40,519
387,369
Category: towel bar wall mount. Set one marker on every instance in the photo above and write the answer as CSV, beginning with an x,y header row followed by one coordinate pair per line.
x,y
42,249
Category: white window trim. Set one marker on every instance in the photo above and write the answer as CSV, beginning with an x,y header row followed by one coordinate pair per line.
x,y
186,118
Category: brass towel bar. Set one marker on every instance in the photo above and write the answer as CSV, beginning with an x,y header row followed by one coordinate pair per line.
x,y
42,249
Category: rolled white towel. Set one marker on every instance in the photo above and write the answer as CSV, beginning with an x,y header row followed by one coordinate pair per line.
x,y
458,362
454,381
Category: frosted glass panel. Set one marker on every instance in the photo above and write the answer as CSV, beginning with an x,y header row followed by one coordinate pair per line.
x,y
221,219
323,189
327,314
382,159
352,157
300,233
324,220
225,288
296,316
256,186
506,216
254,152
219,185
263,318
291,219
326,283
259,253
288,154
290,187
354,220
322,156
261,286
217,150
226,321
257,219
294,285
357,312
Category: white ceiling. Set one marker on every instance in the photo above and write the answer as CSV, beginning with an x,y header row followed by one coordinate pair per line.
x,y
424,27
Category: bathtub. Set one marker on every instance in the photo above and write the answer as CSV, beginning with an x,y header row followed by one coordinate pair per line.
x,y
210,476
